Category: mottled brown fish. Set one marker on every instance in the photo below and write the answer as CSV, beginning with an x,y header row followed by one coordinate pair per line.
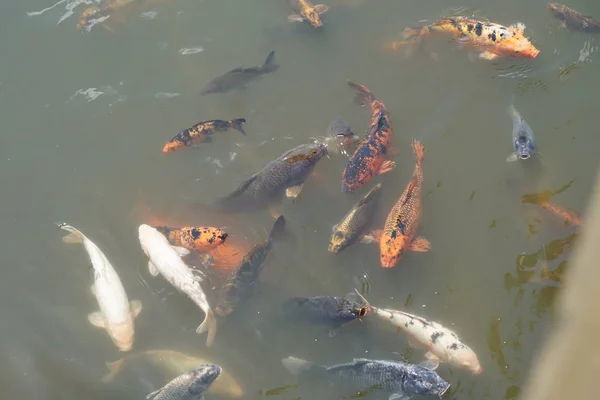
x,y
307,12
101,12
197,238
201,132
574,20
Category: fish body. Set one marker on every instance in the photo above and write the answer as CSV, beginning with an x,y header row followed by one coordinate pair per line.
x,y
348,230
165,260
369,159
522,137
238,78
285,174
171,364
574,20
307,12
201,132
116,313
98,13
491,39
401,379
197,238
241,281
328,309
403,220
188,386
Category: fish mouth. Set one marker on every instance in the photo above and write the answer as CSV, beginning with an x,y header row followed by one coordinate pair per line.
x,y
223,236
362,312
444,391
524,156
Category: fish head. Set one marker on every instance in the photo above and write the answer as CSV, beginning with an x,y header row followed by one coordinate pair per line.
x,y
201,377
90,15
312,16
516,44
466,359
556,9
524,146
122,335
172,146
337,242
207,238
306,155
424,381
392,249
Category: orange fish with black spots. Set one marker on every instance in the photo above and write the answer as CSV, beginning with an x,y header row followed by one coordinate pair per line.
x,y
369,159
492,40
201,133
307,12
198,238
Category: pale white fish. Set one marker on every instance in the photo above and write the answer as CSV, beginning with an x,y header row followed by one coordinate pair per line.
x,y
116,313
166,260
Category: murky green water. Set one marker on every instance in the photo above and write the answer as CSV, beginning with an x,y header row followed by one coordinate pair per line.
x,y
85,116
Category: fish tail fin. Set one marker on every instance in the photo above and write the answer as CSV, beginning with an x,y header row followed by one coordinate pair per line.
x,y
419,150
113,369
208,325
74,235
278,227
237,124
363,95
412,39
298,366
269,65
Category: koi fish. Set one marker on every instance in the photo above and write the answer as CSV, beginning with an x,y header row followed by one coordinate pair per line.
x,y
201,132
369,158
189,386
561,212
329,309
574,20
95,14
492,40
306,11
522,137
116,313
198,238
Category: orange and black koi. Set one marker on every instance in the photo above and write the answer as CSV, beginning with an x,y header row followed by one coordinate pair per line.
x,y
308,12
201,133
198,238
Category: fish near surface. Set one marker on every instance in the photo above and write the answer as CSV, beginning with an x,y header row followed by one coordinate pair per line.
x,y
241,281
201,132
116,313
189,386
340,132
369,159
574,20
349,229
100,13
329,309
307,12
401,379
238,78
198,238
166,260
171,363
522,137
490,39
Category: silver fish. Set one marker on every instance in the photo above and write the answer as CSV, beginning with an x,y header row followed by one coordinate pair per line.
x,y
190,386
522,137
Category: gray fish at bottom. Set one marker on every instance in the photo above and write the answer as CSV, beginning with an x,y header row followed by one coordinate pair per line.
x,y
239,77
401,379
522,137
190,386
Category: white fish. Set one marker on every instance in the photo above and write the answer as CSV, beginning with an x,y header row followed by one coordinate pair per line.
x,y
116,313
442,344
165,259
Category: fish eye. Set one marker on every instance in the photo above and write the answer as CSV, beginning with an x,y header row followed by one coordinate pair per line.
x,y
314,152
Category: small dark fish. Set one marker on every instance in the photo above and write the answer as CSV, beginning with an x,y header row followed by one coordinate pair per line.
x,y
348,230
401,379
190,386
339,127
241,281
522,137
574,20
201,132
328,309
238,78
285,174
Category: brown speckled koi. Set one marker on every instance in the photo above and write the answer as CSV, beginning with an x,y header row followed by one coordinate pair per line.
x,y
201,133
369,158
93,13
308,12
574,20
198,238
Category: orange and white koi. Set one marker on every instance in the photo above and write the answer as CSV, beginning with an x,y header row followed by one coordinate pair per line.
x,y
306,11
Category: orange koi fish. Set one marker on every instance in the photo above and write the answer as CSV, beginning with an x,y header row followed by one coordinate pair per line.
x,y
201,133
563,213
198,238
369,159
493,40
308,12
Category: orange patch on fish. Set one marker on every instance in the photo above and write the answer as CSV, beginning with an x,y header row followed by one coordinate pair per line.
x,y
562,212
197,238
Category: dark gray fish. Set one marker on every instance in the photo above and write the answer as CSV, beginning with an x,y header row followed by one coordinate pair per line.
x,y
190,386
339,127
574,20
328,309
401,379
522,137
348,230
285,174
238,78
241,281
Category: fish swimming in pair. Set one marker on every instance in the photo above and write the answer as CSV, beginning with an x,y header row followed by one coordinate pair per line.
x,y
165,259
574,20
286,174
238,78
490,39
327,309
522,137
241,281
369,159
169,364
188,386
401,379
307,12
195,238
350,228
116,313
201,132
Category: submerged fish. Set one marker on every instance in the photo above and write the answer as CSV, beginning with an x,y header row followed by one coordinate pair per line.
x,y
171,364
401,379
285,174
165,259
567,215
307,12
201,132
198,238
574,20
241,281
328,309
98,13
116,313
238,78
349,229
369,159
339,127
490,39
522,137
189,386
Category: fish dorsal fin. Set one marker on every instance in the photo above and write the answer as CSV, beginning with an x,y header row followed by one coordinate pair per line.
x,y
518,28
154,394
243,186
360,361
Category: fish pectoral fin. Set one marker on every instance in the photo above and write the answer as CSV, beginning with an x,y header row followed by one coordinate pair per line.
x,y
295,18
430,364
154,394
294,191
372,237
432,357
414,344
72,238
136,307
420,245
181,251
386,166
152,268
93,289
398,396
275,210
97,319
512,158
487,55
321,8
113,368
